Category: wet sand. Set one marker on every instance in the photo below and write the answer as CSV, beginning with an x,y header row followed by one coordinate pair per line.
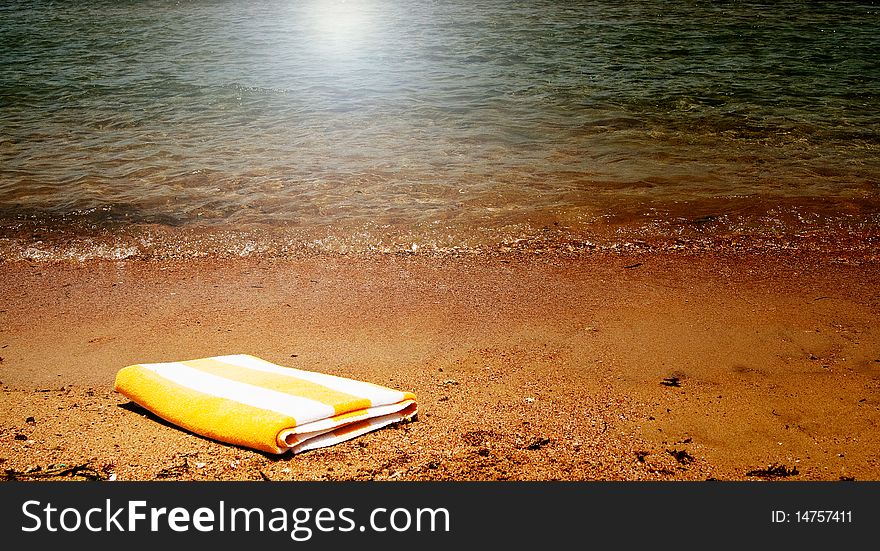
x,y
622,367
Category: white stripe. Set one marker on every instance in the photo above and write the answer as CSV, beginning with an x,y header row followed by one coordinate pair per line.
x,y
303,410
330,423
377,395
330,438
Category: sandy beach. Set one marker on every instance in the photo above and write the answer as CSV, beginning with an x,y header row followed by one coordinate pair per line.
x,y
666,366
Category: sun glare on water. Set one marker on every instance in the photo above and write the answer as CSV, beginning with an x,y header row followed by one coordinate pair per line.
x,y
339,22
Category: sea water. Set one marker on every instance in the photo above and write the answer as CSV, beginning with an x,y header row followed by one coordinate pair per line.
x,y
180,128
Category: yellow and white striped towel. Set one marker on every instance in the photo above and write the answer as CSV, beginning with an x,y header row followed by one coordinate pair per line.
x,y
243,400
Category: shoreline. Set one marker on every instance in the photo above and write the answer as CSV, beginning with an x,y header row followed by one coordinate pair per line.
x,y
642,366
826,225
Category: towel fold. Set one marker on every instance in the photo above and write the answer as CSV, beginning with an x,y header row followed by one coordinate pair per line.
x,y
243,400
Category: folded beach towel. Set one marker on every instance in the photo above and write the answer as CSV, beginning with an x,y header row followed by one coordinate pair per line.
x,y
250,402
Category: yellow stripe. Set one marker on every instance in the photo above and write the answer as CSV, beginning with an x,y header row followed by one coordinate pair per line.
x,y
341,402
359,413
406,395
352,427
348,415
201,413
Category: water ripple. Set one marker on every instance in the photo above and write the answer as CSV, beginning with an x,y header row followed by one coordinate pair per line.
x,y
417,114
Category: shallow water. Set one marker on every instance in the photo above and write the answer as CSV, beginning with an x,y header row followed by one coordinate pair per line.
x,y
261,127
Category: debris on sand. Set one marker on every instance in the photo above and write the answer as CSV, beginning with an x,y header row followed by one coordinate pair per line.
x,y
174,470
537,443
84,470
682,456
671,381
775,470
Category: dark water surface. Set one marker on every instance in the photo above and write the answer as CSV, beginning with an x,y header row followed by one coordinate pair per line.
x,y
264,127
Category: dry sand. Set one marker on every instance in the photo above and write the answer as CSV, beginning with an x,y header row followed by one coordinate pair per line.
x,y
525,368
